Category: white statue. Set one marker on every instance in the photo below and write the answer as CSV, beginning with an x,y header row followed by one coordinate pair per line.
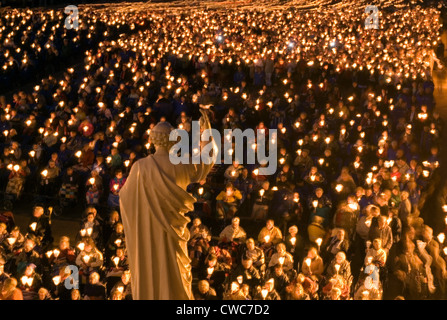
x,y
153,202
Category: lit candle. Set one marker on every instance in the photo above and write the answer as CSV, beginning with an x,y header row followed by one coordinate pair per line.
x,y
118,242
56,252
337,268
89,231
81,246
293,241
267,238
264,293
24,280
308,262
116,260
318,242
86,258
339,188
83,232
281,260
441,237
57,280
33,226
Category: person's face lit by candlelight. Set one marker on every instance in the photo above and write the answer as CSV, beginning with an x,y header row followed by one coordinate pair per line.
x,y
235,222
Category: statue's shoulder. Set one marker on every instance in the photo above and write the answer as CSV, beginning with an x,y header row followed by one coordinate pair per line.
x,y
142,163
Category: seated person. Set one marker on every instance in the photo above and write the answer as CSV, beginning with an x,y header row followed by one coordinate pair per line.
x,y
228,201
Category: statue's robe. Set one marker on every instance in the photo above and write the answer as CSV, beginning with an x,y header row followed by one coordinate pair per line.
x,y
153,202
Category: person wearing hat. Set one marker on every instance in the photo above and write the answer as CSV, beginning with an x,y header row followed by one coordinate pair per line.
x,y
153,204
295,245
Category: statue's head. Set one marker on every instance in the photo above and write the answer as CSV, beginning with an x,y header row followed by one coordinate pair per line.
x,y
159,135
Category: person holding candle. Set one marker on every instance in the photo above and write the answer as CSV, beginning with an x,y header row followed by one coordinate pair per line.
x,y
267,291
233,172
228,201
303,162
64,255
280,278
94,289
285,259
255,253
338,243
269,237
438,265
312,265
320,205
30,282
234,292
124,286
383,232
69,187
214,272
198,243
91,228
233,232
262,198
204,194
115,185
339,266
17,179
89,260
42,228
246,273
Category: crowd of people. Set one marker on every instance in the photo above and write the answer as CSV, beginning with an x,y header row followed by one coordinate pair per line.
x,y
358,145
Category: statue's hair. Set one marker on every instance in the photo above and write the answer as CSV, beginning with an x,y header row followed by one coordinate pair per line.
x,y
159,135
